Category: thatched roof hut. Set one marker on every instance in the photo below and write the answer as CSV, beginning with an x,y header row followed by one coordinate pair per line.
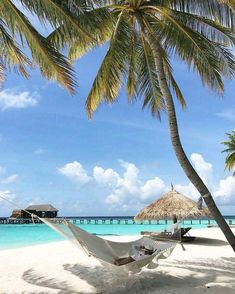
x,y
172,204
42,207
43,210
17,213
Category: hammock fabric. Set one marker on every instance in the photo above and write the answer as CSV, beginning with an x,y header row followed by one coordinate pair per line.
x,y
106,250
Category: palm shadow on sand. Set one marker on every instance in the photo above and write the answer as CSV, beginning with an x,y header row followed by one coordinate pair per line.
x,y
207,242
32,277
107,280
155,281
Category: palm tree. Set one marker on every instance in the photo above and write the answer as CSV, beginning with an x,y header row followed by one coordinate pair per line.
x,y
145,35
16,32
230,150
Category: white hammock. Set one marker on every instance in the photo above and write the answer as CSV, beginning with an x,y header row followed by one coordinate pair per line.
x,y
106,250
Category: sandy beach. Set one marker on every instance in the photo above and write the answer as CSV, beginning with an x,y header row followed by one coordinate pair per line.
x,y
205,266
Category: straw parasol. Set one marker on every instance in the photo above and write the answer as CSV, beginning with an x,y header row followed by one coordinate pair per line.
x,y
172,204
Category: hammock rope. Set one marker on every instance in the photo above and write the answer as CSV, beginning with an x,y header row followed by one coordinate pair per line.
x,y
97,247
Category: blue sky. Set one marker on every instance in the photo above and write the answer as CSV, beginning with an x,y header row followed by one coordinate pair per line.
x,y
119,161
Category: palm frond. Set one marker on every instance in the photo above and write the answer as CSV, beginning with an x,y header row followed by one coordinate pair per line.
x,y
230,162
132,75
2,74
230,150
211,29
57,13
198,32
155,46
108,81
211,9
172,82
99,23
11,54
210,59
53,65
148,80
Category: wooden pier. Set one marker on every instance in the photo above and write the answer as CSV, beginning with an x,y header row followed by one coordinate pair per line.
x,y
108,221
18,221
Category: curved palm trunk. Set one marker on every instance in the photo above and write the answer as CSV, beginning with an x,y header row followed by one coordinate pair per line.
x,y
181,156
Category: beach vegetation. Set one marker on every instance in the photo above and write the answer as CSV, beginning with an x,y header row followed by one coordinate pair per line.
x,y
230,150
145,37
22,46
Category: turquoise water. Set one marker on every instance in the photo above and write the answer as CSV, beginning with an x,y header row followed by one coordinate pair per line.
x,y
13,236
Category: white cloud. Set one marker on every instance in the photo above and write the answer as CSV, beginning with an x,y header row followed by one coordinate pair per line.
x,y
188,190
205,169
128,191
131,191
113,199
152,188
130,182
226,189
12,99
105,177
75,172
9,180
131,172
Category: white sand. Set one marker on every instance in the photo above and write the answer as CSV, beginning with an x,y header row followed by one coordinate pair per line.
x,y
205,266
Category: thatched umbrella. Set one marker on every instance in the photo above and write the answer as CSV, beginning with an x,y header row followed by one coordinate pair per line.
x,y
172,205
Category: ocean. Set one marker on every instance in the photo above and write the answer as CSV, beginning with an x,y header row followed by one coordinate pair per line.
x,y
21,235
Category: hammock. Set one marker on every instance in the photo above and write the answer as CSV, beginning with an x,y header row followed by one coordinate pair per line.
x,y
106,250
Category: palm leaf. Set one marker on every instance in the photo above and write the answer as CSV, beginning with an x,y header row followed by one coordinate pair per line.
x,y
2,75
132,75
108,81
230,161
211,9
11,54
230,150
52,64
148,80
166,63
99,23
195,49
57,14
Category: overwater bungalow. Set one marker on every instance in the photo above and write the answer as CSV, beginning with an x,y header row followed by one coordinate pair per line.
x,y
17,213
43,210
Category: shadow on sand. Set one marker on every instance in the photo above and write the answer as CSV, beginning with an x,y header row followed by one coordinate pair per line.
x,y
107,280
34,278
207,242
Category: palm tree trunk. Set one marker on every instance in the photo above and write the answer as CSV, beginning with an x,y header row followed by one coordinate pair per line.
x,y
181,156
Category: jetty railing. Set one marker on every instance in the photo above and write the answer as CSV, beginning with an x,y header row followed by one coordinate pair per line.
x,y
128,220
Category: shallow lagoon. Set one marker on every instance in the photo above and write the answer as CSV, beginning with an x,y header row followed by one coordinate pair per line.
x,y
20,235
